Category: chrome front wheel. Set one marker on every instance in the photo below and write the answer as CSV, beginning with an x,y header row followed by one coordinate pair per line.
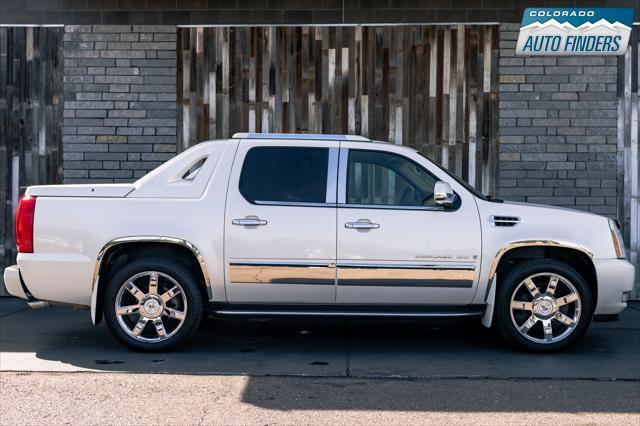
x,y
545,307
151,306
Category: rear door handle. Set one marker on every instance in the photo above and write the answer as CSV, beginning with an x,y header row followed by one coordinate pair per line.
x,y
361,225
249,221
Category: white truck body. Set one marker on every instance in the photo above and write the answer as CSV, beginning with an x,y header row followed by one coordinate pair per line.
x,y
443,257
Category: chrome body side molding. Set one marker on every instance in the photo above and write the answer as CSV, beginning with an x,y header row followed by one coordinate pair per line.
x,y
442,274
153,239
313,273
450,275
533,243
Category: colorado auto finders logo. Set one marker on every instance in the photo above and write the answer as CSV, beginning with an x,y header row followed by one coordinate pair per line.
x,y
565,32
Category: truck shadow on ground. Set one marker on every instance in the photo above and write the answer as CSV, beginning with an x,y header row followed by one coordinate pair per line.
x,y
61,339
348,364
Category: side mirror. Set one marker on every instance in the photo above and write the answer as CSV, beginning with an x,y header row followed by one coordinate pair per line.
x,y
443,195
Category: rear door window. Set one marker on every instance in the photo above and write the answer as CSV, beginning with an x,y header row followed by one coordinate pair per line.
x,y
285,174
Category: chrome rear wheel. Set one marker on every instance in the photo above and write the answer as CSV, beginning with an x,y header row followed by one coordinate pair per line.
x,y
151,306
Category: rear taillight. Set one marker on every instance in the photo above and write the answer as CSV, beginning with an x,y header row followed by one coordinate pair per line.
x,y
24,224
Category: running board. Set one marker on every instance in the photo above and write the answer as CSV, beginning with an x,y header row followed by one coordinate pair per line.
x,y
348,311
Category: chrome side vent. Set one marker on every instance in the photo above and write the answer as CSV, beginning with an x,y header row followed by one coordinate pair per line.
x,y
504,220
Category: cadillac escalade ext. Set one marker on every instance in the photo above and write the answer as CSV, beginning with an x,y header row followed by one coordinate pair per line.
x,y
285,224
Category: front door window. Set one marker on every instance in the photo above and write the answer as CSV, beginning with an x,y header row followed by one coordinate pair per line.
x,y
377,178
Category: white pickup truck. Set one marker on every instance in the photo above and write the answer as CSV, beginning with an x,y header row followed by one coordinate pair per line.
x,y
283,224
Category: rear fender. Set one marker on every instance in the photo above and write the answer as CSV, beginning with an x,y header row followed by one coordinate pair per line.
x,y
98,286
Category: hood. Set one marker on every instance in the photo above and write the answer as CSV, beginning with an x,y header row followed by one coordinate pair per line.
x,y
548,207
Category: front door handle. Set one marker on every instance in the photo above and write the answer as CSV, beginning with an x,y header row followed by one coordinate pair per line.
x,y
361,225
249,221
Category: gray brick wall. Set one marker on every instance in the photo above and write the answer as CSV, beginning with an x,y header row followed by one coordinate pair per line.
x,y
119,101
558,129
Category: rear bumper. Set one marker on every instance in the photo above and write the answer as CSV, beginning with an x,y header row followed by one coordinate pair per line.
x,y
615,282
13,283
16,287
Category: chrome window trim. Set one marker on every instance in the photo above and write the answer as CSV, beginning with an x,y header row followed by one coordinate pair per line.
x,y
292,204
153,239
332,176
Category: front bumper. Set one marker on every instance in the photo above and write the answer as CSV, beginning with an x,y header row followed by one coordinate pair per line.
x,y
13,282
615,282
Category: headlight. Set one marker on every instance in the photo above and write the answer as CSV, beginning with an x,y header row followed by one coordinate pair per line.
x,y
616,237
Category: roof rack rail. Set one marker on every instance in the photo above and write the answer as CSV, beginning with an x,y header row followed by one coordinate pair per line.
x,y
304,136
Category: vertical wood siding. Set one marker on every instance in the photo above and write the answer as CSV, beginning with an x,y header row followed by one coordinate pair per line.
x,y
431,87
30,117
628,139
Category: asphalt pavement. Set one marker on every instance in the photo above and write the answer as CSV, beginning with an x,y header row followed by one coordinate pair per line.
x,y
315,371
63,339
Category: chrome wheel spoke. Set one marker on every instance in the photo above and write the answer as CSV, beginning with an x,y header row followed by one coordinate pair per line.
x,y
174,313
553,283
153,283
170,294
159,325
531,287
524,328
565,300
135,291
548,331
137,329
564,319
521,306
127,310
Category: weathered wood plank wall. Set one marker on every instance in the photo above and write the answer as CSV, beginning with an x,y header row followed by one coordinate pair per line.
x,y
430,87
628,139
30,119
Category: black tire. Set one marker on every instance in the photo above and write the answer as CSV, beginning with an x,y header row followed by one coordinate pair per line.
x,y
192,303
511,282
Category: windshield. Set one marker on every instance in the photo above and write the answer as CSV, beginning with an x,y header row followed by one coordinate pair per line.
x,y
457,179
